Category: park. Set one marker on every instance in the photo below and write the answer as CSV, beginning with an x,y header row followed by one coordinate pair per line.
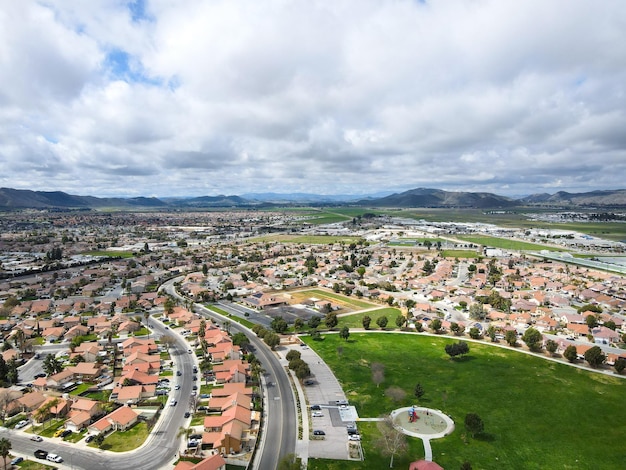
x,y
530,407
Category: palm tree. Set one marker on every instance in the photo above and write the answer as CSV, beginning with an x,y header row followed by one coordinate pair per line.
x,y
186,432
5,447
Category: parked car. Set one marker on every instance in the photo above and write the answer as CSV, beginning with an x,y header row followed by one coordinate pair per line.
x,y
41,454
21,424
39,376
318,432
173,402
59,432
179,373
54,458
36,438
309,382
316,407
17,460
90,438
66,433
317,414
354,437
187,414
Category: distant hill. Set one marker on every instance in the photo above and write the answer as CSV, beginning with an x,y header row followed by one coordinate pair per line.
x,y
608,198
15,199
425,197
25,199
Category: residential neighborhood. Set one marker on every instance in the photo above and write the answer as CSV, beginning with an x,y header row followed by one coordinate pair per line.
x,y
85,361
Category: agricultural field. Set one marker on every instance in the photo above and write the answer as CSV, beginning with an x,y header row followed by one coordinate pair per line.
x,y
459,254
537,414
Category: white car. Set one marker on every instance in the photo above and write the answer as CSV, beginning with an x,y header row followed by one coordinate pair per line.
x,y
317,414
36,438
21,424
54,458
354,437
173,402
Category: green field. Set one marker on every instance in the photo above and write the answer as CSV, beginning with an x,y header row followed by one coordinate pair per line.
x,y
356,320
324,294
505,243
307,239
112,254
459,254
537,414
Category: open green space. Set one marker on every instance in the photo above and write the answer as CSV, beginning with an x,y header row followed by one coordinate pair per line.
x,y
112,254
459,254
308,239
355,320
505,243
537,414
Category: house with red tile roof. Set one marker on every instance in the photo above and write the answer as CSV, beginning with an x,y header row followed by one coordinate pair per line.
x,y
213,462
119,420
131,394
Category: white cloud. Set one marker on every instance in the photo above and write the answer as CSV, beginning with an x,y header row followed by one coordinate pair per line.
x,y
348,96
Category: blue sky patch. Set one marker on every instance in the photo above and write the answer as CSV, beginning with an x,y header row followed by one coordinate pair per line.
x,y
122,66
137,10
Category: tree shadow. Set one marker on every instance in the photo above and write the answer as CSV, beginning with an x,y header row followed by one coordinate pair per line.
x,y
485,437
462,358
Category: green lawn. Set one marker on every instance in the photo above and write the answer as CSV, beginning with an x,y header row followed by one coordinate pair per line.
x,y
459,254
537,414
505,243
122,441
356,320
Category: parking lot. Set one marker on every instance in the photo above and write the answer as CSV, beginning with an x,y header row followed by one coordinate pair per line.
x,y
326,392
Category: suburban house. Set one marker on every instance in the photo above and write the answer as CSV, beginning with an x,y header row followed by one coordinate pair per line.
x,y
119,420
213,462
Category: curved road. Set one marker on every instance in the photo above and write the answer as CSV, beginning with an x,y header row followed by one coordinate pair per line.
x,y
280,429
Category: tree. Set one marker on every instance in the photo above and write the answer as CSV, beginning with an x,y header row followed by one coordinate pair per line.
x,y
99,439
366,322
466,466
474,424
435,325
474,332
344,333
552,346
382,322
477,312
419,391
167,341
51,365
456,328
511,337
293,354
378,373
298,323
272,340
392,441
592,321
279,325
570,353
533,339
5,448
314,322
594,356
457,349
396,393
400,321
619,365
491,332
331,320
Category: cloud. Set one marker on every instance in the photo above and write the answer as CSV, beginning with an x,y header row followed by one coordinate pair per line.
x,y
166,97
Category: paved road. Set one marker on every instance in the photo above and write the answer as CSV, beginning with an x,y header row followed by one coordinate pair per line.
x,y
280,431
157,452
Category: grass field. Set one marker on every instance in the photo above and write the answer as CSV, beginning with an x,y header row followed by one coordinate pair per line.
x,y
306,239
506,243
356,320
537,414
459,254
112,254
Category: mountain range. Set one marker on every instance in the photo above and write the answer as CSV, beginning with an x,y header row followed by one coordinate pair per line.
x,y
15,199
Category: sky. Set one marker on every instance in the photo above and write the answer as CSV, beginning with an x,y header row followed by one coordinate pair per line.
x,y
206,97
